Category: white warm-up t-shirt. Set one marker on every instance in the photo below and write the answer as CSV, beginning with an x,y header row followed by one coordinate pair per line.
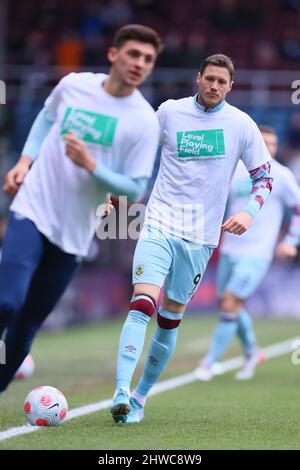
x,y
200,151
122,133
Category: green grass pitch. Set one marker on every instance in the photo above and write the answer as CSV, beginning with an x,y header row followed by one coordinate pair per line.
x,y
223,414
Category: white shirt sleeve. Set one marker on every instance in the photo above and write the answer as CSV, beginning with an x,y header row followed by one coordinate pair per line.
x,y
53,100
255,152
141,156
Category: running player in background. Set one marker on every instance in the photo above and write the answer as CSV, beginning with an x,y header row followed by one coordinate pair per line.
x,y
96,134
245,260
202,137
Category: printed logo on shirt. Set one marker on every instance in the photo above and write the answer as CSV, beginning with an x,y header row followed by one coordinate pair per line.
x,y
90,127
201,145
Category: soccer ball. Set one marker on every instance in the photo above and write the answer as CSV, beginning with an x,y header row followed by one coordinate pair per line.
x,y
45,406
26,369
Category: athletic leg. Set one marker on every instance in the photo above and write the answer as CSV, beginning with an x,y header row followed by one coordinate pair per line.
x,y
188,266
47,286
22,250
151,264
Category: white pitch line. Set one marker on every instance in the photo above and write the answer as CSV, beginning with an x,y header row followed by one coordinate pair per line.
x,y
274,350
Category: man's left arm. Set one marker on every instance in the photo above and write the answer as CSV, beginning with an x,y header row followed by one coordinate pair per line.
x,y
261,189
113,182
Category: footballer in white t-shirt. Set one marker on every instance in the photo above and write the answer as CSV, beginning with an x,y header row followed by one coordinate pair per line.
x,y
203,137
95,135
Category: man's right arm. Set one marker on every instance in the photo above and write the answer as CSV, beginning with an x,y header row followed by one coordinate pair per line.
x,y
40,128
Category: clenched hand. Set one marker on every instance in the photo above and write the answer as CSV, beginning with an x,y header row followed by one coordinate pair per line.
x,y
15,177
77,151
237,223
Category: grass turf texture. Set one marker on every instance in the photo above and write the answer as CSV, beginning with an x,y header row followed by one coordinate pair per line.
x,y
223,414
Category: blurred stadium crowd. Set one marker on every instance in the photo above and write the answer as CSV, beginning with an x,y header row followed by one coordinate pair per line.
x,y
45,40
257,34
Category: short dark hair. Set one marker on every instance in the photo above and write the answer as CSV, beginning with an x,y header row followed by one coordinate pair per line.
x,y
138,32
219,60
267,129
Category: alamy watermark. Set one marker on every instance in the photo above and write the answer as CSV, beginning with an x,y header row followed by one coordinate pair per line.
x,y
2,353
185,221
296,94
2,92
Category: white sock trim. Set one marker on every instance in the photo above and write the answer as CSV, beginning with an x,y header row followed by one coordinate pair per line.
x,y
139,398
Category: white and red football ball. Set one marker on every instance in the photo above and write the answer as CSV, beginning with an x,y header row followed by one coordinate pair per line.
x,y
45,406
26,369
